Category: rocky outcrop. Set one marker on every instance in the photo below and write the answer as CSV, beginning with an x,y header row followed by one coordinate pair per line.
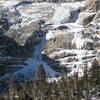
x,y
85,18
72,46
60,41
93,29
23,34
70,16
12,25
68,37
93,5
20,34
66,49
97,17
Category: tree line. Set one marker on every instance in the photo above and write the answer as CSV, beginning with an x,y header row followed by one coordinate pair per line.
x,y
67,88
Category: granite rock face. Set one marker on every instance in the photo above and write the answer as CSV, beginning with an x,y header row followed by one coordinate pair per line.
x,y
60,36
93,5
60,41
20,33
85,18
97,17
73,45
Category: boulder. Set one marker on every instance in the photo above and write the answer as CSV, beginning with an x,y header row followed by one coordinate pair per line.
x,y
85,18
23,34
13,27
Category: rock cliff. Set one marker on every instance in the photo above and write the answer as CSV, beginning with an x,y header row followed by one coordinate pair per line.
x,y
64,37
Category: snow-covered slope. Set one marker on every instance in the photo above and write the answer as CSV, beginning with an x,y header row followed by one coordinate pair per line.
x,y
50,34
22,39
71,46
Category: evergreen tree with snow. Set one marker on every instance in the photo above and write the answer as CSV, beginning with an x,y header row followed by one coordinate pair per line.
x,y
42,81
95,74
41,73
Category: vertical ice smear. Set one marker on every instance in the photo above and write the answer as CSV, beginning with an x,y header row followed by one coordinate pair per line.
x,y
78,41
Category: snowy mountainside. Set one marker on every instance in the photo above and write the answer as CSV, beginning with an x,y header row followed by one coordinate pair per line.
x,y
72,45
52,34
22,38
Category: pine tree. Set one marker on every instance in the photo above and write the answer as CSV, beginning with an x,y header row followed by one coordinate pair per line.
x,y
77,89
42,81
41,73
11,87
95,73
86,81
